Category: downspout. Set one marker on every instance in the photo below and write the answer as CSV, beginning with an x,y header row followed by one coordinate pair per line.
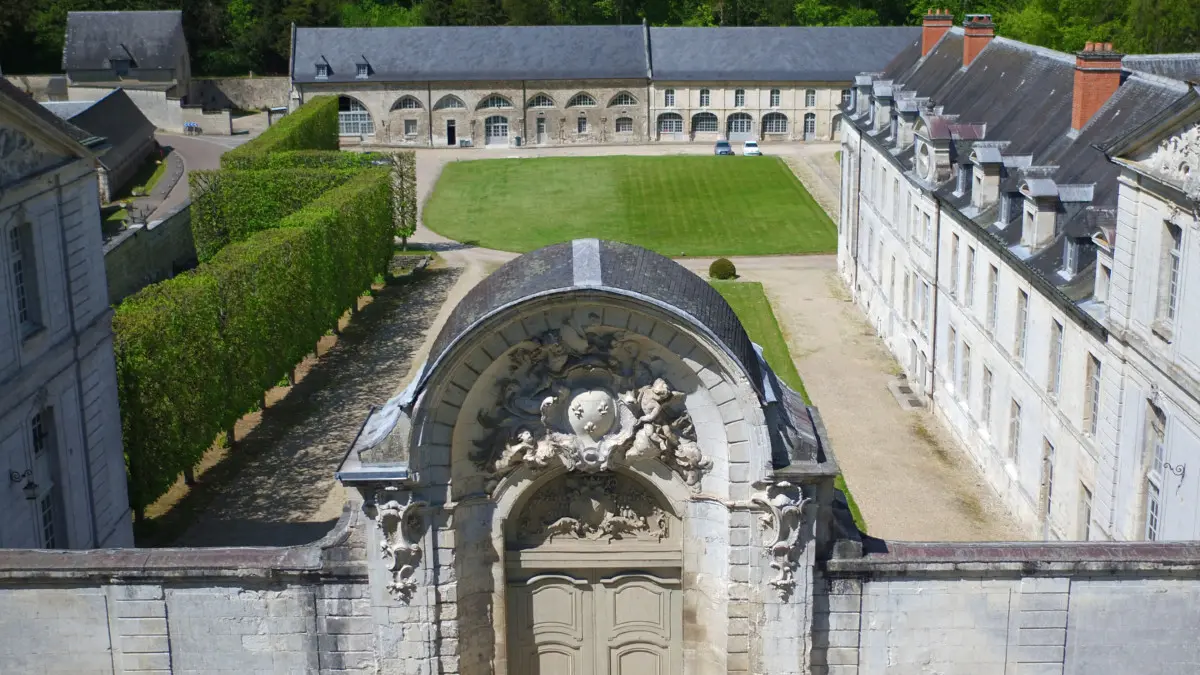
x,y
524,113
649,77
429,103
937,270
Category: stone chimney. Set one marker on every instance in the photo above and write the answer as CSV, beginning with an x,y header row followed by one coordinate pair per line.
x,y
978,31
936,23
1097,76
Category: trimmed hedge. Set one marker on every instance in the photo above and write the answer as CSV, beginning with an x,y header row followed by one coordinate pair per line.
x,y
313,126
311,159
197,352
228,206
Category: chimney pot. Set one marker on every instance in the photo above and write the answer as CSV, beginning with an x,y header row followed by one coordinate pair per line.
x,y
1097,77
936,24
978,31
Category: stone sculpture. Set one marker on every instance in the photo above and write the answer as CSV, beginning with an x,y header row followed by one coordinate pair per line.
x,y
784,503
400,525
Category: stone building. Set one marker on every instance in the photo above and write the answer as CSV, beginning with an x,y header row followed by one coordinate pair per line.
x,y
980,226
144,53
129,136
596,473
561,85
60,429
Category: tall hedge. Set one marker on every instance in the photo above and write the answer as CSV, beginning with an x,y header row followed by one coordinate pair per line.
x,y
196,352
312,159
312,126
229,205
171,385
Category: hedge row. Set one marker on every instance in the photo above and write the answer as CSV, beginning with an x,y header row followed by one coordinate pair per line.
x,y
230,205
196,352
313,126
312,159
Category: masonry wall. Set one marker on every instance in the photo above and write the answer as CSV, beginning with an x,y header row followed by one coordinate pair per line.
x,y
145,254
1010,609
246,93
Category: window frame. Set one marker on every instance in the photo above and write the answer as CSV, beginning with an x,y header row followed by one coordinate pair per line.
x,y
1021,326
415,127
582,100
541,101
581,124
668,98
1057,343
618,123
1091,408
23,275
739,98
771,123
775,97
985,403
705,98
993,298
1014,430
622,99
810,98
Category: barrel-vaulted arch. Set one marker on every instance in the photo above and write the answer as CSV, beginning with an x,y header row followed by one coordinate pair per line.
x,y
353,117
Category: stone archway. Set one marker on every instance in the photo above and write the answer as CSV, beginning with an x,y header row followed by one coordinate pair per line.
x,y
594,582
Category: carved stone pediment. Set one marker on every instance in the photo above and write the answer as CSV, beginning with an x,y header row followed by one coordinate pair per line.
x,y
22,155
585,399
1177,159
595,509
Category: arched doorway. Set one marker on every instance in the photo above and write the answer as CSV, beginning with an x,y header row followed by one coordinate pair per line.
x,y
705,123
835,130
739,127
670,127
593,576
353,118
495,130
774,124
810,127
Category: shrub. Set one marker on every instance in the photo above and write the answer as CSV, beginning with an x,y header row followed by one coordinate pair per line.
x,y
311,159
722,268
313,126
228,206
170,383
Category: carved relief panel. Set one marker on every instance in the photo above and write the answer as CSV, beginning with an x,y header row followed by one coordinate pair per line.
x,y
602,510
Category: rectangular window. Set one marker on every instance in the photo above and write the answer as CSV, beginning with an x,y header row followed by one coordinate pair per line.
x,y
581,125
923,299
1054,377
37,430
1085,513
46,508
993,293
1014,430
1153,510
985,405
1091,410
969,296
705,98
954,270
895,201
410,127
846,97
775,97
810,97
1022,319
24,278
1103,280
891,287
1155,454
739,98
966,373
1047,481
1070,256
120,67
669,98
624,125
322,71
928,237
1169,292
952,356
363,70
907,290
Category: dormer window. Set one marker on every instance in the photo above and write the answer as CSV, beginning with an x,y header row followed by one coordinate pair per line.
x,y
1005,210
960,179
1070,257
120,67
322,71
364,70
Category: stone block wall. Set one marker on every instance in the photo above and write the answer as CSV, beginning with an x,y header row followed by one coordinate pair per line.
x,y
145,254
211,122
246,93
1010,609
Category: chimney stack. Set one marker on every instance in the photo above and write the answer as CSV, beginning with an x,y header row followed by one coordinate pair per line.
x,y
978,31
1097,76
936,23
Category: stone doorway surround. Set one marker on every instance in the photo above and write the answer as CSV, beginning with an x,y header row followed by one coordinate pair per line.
x,y
695,474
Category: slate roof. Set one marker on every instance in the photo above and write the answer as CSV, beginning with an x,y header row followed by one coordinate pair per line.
x,y
1022,94
472,53
1176,66
153,40
115,117
793,54
74,133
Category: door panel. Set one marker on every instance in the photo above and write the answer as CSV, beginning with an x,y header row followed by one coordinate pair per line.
x,y
639,624
549,626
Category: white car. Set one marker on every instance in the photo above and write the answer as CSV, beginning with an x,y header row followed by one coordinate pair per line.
x,y
750,149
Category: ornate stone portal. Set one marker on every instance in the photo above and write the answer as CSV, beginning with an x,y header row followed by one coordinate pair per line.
x,y
581,397
599,508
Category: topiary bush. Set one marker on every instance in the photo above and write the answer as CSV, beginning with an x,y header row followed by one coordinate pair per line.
x,y
313,126
722,268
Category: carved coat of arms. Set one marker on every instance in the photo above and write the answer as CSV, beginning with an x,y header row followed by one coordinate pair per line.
x,y
583,398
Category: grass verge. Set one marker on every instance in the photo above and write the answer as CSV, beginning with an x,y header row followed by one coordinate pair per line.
x,y
749,302
675,205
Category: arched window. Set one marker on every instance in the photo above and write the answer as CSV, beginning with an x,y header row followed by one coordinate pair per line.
x,y
670,123
705,98
581,100
353,118
739,98
449,102
774,123
494,101
810,124
407,103
624,125
740,123
669,98
775,97
541,101
704,122
623,98
495,129
810,97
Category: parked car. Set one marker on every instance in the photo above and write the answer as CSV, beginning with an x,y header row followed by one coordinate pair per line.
x,y
723,148
750,149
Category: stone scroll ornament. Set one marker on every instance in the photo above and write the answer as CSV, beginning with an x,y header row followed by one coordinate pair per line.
x,y
400,525
783,522
582,397
597,508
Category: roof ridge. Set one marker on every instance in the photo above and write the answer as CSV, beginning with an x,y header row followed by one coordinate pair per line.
x,y
1043,51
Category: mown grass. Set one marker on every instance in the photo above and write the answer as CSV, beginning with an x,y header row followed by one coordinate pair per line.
x,y
675,205
750,303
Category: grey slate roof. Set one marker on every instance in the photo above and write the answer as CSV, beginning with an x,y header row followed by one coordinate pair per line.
x,y
819,54
1176,66
115,118
472,53
74,133
65,110
154,40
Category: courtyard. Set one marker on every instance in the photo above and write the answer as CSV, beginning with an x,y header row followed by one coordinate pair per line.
x,y
907,478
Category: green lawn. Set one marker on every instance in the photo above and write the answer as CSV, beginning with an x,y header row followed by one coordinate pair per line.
x,y
750,303
675,205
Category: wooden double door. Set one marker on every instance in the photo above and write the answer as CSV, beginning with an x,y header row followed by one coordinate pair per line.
x,y
595,622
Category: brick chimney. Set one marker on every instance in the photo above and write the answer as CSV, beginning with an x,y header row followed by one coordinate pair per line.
x,y
978,31
1097,76
936,23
